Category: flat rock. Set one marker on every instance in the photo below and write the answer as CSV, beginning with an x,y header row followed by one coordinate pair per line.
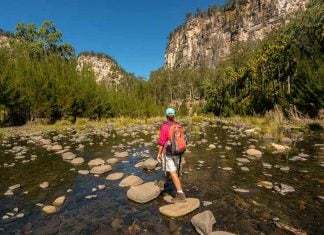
x,y
49,209
203,222
83,172
100,169
131,180
96,162
280,148
56,147
180,208
12,187
150,163
44,185
77,161
8,193
115,176
221,233
121,154
245,168
68,156
143,193
112,160
241,190
243,160
265,184
59,201
139,164
254,153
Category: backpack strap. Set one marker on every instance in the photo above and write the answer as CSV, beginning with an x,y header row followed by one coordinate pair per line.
x,y
170,123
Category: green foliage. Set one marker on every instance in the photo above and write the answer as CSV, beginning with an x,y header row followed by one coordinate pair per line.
x,y
44,40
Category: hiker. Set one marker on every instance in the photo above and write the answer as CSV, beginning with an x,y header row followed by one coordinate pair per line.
x,y
171,163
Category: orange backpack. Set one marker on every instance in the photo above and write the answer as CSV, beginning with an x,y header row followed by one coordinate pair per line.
x,y
177,139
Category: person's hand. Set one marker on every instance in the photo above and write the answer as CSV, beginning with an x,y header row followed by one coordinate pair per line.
x,y
159,157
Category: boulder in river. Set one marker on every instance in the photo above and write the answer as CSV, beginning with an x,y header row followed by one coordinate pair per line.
x,y
49,209
68,156
115,176
150,164
203,222
44,185
112,160
77,161
59,201
181,208
131,180
254,153
265,184
143,193
100,169
96,162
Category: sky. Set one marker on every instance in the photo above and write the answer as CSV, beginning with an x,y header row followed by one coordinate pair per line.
x,y
133,32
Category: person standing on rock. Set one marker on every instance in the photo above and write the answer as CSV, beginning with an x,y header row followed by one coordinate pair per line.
x,y
171,164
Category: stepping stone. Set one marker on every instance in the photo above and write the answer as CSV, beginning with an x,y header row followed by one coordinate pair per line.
x,y
115,176
112,160
96,162
100,169
131,180
59,201
181,208
203,222
77,161
143,193
150,164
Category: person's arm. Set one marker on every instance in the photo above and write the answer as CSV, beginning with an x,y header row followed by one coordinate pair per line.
x,y
159,156
162,140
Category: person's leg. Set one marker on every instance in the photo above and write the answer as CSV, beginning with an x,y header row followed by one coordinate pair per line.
x,y
176,181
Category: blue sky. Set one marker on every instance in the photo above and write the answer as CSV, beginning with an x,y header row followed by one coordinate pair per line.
x,y
134,32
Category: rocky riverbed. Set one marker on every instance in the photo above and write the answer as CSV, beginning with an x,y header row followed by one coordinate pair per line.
x,y
101,180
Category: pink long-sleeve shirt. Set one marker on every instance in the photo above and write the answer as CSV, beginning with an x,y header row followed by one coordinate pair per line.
x,y
164,133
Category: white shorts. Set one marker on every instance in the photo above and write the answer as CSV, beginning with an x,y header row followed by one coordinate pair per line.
x,y
171,163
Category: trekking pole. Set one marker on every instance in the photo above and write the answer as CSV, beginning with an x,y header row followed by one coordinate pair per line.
x,y
179,168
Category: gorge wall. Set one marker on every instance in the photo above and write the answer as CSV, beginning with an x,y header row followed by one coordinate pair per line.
x,y
106,69
207,39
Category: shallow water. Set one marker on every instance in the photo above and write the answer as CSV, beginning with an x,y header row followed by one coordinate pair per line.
x,y
112,213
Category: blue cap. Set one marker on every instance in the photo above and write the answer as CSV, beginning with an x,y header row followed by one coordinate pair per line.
x,y
170,111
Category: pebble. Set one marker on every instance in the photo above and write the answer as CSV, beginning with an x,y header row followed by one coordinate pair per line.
x,y
44,185
207,203
227,168
14,186
245,169
59,201
20,215
91,196
101,186
5,217
83,172
8,193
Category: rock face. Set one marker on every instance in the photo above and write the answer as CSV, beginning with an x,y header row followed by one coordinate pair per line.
x,y
181,208
143,193
104,67
206,39
203,222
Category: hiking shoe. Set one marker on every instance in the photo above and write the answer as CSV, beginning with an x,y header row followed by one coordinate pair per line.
x,y
160,184
180,197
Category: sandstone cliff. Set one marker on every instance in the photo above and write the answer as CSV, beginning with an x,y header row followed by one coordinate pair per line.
x,y
105,68
206,39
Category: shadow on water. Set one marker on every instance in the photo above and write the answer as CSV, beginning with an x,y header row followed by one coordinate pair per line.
x,y
210,174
